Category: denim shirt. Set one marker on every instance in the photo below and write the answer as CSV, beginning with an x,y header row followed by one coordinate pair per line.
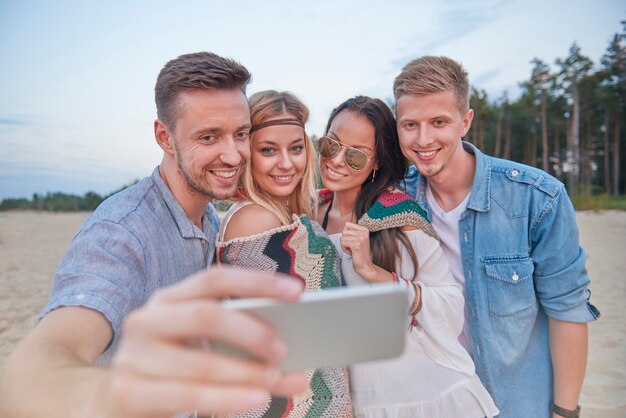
x,y
523,263
136,241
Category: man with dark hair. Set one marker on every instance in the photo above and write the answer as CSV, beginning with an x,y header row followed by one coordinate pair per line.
x,y
134,291
509,232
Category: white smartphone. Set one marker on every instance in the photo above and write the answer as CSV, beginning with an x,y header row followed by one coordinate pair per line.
x,y
334,327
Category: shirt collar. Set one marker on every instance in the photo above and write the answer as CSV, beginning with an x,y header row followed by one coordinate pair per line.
x,y
185,226
481,187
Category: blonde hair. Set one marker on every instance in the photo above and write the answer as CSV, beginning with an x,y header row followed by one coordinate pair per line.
x,y
430,74
303,201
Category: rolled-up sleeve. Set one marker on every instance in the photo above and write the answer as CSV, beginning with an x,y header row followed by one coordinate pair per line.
x,y
561,278
104,270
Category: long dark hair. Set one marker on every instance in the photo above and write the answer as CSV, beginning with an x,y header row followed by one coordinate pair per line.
x,y
384,247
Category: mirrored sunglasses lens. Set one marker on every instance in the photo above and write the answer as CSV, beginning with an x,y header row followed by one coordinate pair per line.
x,y
328,147
356,159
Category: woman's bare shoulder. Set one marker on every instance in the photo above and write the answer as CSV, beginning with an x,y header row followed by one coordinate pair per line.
x,y
250,220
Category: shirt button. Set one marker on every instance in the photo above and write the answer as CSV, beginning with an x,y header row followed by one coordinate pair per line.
x,y
80,296
515,173
515,277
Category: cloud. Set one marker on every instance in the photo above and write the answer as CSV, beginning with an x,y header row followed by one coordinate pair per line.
x,y
485,77
458,20
31,121
13,122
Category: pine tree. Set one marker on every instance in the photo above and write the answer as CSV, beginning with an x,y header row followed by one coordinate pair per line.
x,y
573,69
614,86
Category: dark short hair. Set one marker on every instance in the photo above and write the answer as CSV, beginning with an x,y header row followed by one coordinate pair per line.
x,y
197,71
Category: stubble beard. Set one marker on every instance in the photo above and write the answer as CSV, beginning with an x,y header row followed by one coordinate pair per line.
x,y
194,182
430,171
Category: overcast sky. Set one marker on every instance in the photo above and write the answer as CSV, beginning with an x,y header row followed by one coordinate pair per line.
x,y
77,77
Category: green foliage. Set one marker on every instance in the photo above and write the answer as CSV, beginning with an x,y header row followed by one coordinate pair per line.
x,y
58,202
12,204
599,202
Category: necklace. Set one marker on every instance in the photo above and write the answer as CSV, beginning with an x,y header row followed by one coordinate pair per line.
x,y
325,220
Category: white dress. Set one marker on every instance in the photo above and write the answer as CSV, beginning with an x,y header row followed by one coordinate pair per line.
x,y
435,376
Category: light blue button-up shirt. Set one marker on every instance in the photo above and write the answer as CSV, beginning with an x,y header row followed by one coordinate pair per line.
x,y
136,242
522,263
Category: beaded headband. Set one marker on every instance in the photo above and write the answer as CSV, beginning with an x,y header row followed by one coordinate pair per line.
x,y
288,121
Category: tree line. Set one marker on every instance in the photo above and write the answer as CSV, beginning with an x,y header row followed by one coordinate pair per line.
x,y
567,121
63,202
58,202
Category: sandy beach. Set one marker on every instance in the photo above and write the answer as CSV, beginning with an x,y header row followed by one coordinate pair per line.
x,y
32,243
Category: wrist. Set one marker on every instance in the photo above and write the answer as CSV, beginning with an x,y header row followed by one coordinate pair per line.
x,y
374,274
566,413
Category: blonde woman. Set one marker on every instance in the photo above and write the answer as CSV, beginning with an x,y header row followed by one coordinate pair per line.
x,y
270,228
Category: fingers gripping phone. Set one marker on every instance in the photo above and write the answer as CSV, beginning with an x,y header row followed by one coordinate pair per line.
x,y
334,327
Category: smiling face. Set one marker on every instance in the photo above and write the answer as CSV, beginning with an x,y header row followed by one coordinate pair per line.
x,y
430,128
354,130
278,158
210,141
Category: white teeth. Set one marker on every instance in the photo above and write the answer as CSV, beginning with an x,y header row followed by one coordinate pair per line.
x,y
225,174
335,173
283,178
426,153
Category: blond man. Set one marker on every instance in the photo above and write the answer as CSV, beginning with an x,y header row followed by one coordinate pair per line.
x,y
510,235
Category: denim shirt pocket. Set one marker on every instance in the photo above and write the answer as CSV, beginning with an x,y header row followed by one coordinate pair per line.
x,y
510,285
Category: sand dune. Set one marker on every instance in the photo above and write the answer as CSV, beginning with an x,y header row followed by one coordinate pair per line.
x,y
32,243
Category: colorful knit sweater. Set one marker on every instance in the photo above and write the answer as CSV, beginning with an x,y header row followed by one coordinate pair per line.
x,y
303,250
392,209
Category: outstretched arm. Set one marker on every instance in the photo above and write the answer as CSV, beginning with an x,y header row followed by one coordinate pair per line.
x,y
159,369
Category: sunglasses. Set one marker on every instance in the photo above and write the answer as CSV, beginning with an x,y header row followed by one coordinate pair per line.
x,y
355,158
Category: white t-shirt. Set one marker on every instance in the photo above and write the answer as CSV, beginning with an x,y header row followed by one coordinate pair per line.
x,y
447,226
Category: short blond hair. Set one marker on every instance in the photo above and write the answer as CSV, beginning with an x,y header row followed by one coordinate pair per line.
x,y
265,105
431,74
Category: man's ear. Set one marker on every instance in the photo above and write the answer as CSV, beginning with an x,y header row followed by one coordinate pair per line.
x,y
163,137
467,121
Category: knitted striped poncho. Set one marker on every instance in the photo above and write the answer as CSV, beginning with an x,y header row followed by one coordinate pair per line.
x,y
392,209
303,250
